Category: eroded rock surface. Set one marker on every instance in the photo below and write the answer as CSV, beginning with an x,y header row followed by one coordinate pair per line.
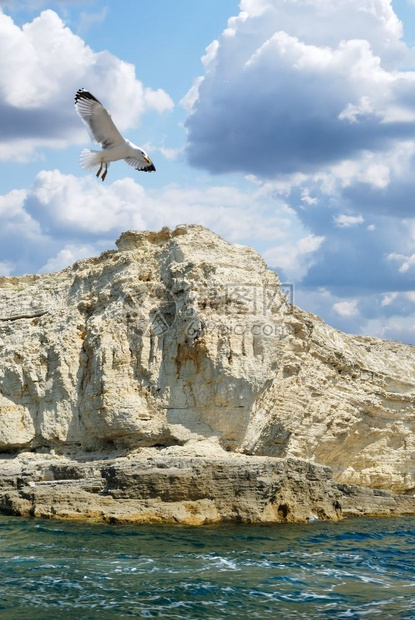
x,y
178,337
162,486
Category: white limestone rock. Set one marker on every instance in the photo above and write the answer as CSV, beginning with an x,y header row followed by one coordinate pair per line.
x,y
178,337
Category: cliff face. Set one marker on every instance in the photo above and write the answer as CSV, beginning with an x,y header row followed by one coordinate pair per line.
x,y
181,339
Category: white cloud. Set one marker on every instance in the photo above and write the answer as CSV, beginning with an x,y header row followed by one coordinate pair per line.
x,y
345,221
69,204
400,328
171,154
388,298
407,262
323,22
42,64
299,85
157,100
346,308
14,218
366,314
307,199
354,112
295,258
62,218
67,256
190,98
211,52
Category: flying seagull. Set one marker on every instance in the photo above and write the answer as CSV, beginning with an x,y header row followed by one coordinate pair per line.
x,y
101,128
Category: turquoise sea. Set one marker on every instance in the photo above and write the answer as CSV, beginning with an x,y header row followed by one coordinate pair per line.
x,y
358,568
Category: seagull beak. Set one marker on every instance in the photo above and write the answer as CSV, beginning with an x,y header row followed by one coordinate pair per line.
x,y
148,160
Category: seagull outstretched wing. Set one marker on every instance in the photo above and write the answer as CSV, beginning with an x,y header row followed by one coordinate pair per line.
x,y
140,164
98,121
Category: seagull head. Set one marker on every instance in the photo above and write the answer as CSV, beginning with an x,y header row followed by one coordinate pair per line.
x,y
150,166
145,156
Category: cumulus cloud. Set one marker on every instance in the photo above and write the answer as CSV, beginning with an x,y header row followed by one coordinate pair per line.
x,y
42,64
346,308
388,298
294,85
345,221
62,218
294,259
406,262
67,256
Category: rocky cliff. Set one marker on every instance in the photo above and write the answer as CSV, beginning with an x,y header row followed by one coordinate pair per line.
x,y
183,345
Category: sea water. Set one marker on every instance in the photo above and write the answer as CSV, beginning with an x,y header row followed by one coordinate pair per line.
x,y
358,568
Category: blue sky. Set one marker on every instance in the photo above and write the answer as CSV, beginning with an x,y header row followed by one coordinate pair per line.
x,y
287,125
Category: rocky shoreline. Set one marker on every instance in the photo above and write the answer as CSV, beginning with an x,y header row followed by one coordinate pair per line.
x,y
159,488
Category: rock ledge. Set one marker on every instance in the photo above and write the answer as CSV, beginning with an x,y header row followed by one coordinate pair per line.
x,y
160,488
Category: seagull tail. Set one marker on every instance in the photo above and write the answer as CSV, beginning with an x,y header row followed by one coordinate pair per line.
x,y
90,159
